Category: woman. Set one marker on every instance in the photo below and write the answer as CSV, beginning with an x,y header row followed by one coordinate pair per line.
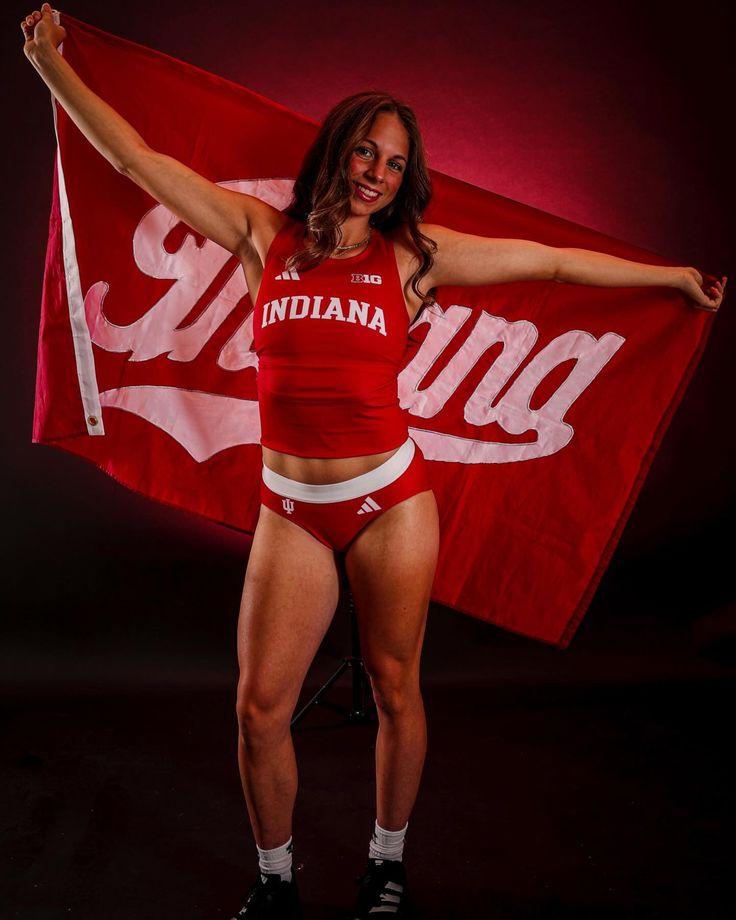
x,y
340,472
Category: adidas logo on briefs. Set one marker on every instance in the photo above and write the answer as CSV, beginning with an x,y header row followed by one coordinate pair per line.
x,y
368,506
288,276
366,279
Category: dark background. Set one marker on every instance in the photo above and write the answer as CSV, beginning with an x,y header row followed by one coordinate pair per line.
x,y
615,116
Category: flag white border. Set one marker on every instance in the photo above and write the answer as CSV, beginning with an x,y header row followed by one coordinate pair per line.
x,y
86,374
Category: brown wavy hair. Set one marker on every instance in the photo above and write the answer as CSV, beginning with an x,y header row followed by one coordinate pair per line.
x,y
322,190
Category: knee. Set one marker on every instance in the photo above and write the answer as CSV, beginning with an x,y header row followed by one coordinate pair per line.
x,y
395,689
261,717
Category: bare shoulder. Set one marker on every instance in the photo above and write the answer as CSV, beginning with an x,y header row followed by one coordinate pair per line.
x,y
404,244
440,235
432,230
264,222
407,255
408,260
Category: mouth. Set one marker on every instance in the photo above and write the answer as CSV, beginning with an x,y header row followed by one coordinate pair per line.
x,y
365,193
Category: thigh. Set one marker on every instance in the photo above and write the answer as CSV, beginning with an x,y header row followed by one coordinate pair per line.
x,y
289,598
391,566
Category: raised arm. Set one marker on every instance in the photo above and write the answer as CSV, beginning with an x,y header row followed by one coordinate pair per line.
x,y
463,258
224,216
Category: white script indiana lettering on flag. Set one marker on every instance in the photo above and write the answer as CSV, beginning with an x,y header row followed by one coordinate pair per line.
x,y
205,423
539,405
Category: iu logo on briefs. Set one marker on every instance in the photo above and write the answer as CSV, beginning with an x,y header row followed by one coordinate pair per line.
x,y
288,504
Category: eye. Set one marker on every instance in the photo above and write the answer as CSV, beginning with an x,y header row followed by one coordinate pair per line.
x,y
396,166
363,151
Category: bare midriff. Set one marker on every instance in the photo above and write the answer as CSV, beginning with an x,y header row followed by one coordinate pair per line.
x,y
322,470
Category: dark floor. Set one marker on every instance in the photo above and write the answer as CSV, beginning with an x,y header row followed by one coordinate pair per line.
x,y
597,782
546,802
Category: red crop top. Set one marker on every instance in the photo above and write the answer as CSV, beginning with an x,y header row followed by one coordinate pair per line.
x,y
330,341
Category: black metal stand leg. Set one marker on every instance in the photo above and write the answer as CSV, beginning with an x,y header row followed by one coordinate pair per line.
x,y
361,688
361,683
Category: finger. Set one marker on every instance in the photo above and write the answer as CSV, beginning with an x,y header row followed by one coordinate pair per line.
x,y
710,301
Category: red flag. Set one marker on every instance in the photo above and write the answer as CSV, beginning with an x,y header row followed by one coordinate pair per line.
x,y
540,406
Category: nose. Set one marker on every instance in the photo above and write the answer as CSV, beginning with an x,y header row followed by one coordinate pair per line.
x,y
376,170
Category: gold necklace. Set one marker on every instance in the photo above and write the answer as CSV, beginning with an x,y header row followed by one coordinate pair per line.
x,y
354,245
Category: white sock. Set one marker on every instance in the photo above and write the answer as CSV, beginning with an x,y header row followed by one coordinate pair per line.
x,y
387,844
276,861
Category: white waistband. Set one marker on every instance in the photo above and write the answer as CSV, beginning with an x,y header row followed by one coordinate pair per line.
x,y
356,487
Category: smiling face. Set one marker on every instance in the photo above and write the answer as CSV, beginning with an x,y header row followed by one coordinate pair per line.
x,y
377,164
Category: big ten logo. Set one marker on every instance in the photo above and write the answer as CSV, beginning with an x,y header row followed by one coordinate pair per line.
x,y
366,279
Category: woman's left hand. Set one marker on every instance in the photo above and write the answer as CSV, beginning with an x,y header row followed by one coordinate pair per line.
x,y
706,295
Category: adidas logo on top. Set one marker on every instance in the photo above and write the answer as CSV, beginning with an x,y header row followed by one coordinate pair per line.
x,y
288,276
369,505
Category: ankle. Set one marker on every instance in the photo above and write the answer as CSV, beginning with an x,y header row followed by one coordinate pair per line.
x,y
277,860
387,844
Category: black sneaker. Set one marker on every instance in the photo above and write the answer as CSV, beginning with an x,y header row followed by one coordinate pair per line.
x,y
272,899
382,890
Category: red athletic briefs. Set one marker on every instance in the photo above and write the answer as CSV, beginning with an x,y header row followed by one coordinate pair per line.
x,y
336,513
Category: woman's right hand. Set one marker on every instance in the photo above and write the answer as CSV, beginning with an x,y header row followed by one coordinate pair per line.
x,y
39,29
